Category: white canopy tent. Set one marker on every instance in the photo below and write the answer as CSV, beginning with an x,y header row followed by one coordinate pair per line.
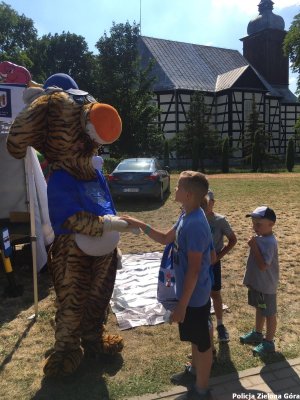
x,y
23,189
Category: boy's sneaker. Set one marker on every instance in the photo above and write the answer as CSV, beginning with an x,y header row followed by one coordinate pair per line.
x,y
193,394
264,348
251,337
223,335
185,378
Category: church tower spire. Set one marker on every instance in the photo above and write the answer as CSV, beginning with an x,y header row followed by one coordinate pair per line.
x,y
263,47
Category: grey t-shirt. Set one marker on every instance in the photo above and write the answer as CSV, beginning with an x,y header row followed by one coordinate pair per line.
x,y
263,281
219,227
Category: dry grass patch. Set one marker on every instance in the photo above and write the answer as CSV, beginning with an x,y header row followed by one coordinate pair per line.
x,y
151,354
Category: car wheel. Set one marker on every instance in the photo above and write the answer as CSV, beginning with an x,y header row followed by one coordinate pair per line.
x,y
169,187
160,196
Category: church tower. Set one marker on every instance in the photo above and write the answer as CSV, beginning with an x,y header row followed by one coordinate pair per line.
x,y
263,47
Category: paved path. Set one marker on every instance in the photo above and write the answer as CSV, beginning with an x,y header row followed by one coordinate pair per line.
x,y
278,381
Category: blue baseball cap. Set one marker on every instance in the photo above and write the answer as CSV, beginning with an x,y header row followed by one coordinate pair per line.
x,y
65,82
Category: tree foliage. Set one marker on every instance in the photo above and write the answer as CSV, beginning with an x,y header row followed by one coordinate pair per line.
x,y
124,84
166,153
67,53
253,125
292,47
256,140
256,152
297,136
198,139
225,155
290,155
114,76
17,34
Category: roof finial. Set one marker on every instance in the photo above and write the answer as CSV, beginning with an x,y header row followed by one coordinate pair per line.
x,y
266,19
265,5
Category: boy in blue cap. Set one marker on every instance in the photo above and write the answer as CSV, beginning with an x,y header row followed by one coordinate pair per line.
x,y
261,278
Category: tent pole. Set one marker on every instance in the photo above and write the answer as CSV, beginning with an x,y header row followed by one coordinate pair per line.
x,y
29,173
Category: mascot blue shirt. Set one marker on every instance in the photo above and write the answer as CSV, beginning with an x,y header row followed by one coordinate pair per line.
x,y
68,196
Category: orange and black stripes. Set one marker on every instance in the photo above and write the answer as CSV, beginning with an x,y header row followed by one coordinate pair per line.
x,y
85,223
54,124
84,286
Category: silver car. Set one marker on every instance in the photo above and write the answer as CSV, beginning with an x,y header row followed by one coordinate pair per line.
x,y
139,177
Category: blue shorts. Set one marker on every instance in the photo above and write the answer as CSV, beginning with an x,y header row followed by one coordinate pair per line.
x,y
216,269
195,328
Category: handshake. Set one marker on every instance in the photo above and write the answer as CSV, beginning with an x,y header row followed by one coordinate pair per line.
x,y
113,223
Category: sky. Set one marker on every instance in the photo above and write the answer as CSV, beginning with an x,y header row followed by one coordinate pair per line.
x,y
219,23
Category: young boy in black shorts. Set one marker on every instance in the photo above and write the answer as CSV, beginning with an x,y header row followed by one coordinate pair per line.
x,y
192,259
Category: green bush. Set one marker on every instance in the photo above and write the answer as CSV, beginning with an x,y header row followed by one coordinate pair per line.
x,y
166,154
110,164
225,156
290,155
255,155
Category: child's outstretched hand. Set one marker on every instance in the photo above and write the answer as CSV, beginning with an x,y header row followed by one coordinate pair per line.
x,y
133,222
114,223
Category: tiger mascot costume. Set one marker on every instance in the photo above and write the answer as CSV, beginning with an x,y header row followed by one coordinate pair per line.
x,y
67,126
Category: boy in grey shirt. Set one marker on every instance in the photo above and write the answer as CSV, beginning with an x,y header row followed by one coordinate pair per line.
x,y
261,278
220,228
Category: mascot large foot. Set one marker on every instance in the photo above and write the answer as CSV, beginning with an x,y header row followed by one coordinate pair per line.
x,y
63,363
108,344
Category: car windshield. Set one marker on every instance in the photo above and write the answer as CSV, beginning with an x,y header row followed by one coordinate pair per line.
x,y
133,165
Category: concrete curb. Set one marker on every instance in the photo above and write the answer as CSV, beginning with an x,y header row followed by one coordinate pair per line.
x,y
278,376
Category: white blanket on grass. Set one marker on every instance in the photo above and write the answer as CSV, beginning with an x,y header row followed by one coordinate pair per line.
x,y
134,300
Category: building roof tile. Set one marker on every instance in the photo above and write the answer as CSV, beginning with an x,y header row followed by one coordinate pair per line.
x,y
188,66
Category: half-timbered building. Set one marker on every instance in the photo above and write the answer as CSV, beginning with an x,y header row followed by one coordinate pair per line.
x,y
229,80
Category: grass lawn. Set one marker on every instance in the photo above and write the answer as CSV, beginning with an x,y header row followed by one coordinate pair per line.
x,y
152,354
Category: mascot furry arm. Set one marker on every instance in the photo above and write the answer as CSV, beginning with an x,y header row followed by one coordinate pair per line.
x,y
67,127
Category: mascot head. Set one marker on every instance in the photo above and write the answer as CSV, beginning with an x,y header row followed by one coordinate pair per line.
x,y
66,125
62,81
